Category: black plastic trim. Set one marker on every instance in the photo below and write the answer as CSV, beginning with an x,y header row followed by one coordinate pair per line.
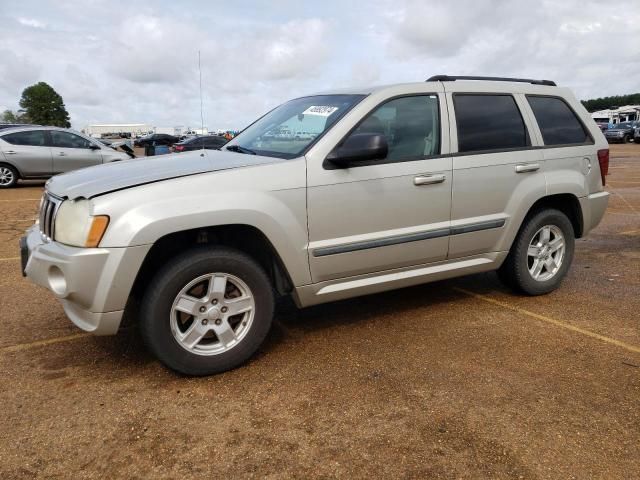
x,y
411,237
476,227
453,78
382,242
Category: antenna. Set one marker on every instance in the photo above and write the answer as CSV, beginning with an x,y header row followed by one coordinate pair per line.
x,y
201,107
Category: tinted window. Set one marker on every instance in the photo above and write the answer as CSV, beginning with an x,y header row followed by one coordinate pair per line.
x,y
489,122
410,124
33,138
68,140
215,141
557,122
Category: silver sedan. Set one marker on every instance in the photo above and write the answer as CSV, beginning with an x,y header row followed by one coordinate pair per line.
x,y
41,152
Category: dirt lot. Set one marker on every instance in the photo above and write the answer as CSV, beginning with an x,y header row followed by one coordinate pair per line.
x,y
457,379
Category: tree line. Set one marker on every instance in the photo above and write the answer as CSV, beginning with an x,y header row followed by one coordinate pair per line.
x,y
40,104
611,102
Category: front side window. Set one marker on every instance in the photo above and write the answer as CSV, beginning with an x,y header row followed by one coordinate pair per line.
x,y
68,140
557,122
489,122
277,133
34,138
411,126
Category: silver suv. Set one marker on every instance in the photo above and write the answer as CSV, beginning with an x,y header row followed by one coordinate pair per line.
x,y
40,152
393,186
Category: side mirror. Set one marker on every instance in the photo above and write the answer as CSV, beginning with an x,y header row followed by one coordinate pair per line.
x,y
93,146
359,147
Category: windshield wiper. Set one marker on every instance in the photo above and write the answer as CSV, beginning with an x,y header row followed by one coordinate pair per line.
x,y
239,149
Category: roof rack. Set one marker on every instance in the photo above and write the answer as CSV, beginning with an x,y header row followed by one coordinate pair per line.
x,y
450,78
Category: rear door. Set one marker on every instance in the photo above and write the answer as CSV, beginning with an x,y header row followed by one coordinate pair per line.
x,y
28,152
71,152
497,169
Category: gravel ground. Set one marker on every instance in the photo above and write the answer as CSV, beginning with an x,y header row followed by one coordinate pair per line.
x,y
457,379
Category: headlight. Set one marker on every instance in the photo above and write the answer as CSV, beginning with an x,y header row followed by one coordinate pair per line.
x,y
76,227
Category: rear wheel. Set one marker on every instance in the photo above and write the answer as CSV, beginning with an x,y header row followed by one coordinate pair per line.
x,y
626,139
541,253
207,311
8,176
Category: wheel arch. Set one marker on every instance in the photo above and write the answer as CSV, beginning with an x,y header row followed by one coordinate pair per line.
x,y
245,238
567,203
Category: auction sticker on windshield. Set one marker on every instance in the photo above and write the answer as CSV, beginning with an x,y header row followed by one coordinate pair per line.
x,y
320,110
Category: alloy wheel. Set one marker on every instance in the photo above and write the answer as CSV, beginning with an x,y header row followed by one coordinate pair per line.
x,y
212,314
545,253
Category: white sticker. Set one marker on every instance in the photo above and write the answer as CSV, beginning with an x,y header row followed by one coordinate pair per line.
x,y
320,110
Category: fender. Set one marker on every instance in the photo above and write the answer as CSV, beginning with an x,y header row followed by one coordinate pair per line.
x,y
270,198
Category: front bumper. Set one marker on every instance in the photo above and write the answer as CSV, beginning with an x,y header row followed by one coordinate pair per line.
x,y
93,284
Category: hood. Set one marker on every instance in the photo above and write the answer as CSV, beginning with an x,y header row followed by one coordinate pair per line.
x,y
109,177
617,130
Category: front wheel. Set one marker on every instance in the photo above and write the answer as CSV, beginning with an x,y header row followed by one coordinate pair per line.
x,y
207,311
8,176
541,253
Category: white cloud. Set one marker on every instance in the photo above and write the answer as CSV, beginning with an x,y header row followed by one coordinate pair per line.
x,y
130,61
31,22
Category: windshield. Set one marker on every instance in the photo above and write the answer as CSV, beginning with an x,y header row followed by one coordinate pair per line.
x,y
623,125
287,130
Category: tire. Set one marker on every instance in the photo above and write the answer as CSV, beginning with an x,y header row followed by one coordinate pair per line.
x,y
168,330
8,176
519,268
626,139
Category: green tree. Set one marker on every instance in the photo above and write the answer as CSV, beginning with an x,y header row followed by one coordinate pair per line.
x,y
9,116
43,105
611,102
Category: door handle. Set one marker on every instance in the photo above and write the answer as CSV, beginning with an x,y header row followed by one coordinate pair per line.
x,y
62,154
527,167
10,152
428,179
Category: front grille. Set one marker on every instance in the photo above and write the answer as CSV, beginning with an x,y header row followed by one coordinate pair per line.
x,y
47,216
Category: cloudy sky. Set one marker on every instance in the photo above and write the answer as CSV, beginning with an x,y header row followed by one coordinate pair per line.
x,y
135,62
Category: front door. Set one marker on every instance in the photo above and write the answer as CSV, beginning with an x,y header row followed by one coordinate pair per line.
x,y
388,213
71,152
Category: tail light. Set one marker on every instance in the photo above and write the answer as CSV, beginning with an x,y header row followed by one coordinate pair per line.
x,y
179,148
603,160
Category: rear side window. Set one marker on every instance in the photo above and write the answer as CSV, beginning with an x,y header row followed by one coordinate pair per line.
x,y
68,140
558,123
489,122
33,138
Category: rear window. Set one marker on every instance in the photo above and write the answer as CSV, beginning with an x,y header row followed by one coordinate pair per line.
x,y
33,138
558,123
489,122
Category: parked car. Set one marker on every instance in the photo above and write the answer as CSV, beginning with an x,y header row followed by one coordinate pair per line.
x,y
41,152
208,142
636,135
602,126
622,132
156,139
404,184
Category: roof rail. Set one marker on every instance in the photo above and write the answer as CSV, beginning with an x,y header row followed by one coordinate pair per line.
x,y
450,78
